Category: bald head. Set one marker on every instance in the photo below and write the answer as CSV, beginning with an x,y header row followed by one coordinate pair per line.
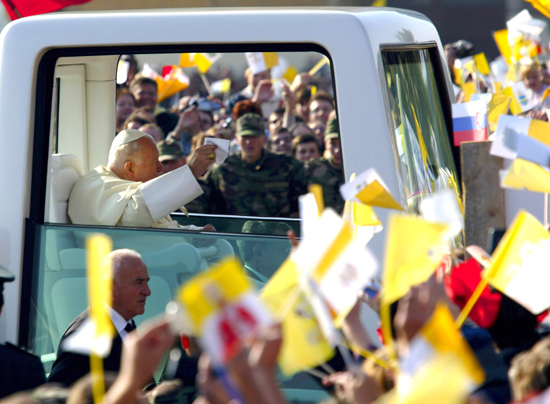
x,y
130,283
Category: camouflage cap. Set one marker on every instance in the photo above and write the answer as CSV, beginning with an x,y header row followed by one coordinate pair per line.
x,y
332,129
169,150
250,125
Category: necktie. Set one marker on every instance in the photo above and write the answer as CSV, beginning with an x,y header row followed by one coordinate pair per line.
x,y
130,326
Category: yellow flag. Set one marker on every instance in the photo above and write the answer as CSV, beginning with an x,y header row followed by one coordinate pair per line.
x,y
519,265
470,66
379,3
303,346
161,85
498,106
541,5
501,38
290,74
481,64
540,130
271,59
317,191
515,108
459,80
498,87
442,380
529,176
440,331
469,89
228,277
375,194
364,215
99,283
204,61
175,82
186,60
414,249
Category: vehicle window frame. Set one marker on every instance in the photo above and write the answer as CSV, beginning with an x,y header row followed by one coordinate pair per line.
x,y
43,130
445,103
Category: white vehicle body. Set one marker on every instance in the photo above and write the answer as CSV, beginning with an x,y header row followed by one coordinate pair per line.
x,y
81,51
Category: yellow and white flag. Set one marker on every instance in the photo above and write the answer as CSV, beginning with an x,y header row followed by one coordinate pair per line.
x,y
368,188
414,250
304,345
174,82
440,366
498,105
526,176
338,264
533,128
521,102
444,207
481,64
223,309
96,334
261,61
444,379
204,61
501,39
519,265
221,86
284,70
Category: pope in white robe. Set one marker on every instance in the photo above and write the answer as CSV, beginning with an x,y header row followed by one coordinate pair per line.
x,y
132,189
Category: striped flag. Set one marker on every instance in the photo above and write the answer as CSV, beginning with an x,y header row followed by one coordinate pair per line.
x,y
470,122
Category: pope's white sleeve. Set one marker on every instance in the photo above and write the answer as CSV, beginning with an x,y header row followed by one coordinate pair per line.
x,y
169,192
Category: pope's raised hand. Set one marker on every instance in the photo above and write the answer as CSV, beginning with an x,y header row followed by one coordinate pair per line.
x,y
202,158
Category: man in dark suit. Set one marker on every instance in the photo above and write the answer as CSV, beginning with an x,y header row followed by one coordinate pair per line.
x,y
20,369
129,292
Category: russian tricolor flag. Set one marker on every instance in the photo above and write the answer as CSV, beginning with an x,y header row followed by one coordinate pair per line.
x,y
470,122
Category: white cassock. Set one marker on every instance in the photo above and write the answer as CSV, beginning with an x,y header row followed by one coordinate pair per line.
x,y
102,198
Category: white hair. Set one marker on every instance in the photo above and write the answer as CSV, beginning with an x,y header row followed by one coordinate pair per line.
x,y
118,156
118,259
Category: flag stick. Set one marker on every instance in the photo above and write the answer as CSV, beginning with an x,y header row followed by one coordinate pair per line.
x,y
471,302
98,381
206,84
369,355
318,66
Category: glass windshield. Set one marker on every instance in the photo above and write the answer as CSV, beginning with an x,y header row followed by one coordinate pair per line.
x,y
60,292
423,152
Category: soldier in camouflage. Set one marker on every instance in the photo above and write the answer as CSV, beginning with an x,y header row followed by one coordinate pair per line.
x,y
328,172
255,182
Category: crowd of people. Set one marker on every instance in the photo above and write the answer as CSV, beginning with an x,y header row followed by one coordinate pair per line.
x,y
279,144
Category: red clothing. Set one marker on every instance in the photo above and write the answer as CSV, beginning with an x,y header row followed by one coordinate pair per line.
x,y
461,284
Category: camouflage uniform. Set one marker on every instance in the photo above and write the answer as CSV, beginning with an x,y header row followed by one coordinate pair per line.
x,y
268,187
322,172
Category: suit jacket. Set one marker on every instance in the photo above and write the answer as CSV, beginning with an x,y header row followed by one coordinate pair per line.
x,y
20,370
70,366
